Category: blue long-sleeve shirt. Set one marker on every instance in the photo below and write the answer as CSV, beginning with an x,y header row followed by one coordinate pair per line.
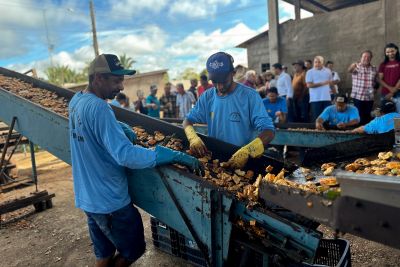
x,y
100,152
236,118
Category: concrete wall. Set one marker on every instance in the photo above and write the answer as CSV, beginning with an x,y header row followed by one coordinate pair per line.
x,y
258,53
339,36
141,81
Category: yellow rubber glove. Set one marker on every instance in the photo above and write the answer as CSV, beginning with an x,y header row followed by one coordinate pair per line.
x,y
196,144
253,149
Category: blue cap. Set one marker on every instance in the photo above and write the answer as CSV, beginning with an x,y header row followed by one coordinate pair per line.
x,y
219,66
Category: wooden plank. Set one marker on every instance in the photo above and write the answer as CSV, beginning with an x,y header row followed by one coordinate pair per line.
x,y
21,203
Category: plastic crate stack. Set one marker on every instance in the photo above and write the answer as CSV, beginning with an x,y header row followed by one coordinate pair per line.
x,y
330,252
172,242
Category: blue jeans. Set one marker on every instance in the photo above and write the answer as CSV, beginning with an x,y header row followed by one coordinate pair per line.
x,y
317,108
120,230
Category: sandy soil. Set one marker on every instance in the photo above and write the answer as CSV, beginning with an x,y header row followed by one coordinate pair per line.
x,y
59,236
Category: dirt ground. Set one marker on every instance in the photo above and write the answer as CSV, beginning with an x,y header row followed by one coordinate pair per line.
x,y
59,236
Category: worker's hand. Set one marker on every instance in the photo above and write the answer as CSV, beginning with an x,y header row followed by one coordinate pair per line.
x,y
319,126
341,125
128,132
278,113
389,96
153,106
197,146
167,156
239,159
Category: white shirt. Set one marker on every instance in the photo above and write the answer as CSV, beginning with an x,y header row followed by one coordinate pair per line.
x,y
336,77
184,102
284,85
321,93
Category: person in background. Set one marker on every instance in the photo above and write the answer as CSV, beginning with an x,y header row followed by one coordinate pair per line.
x,y
269,80
335,80
363,76
389,75
100,154
152,103
234,113
338,116
319,81
284,82
140,104
119,100
275,106
308,64
184,101
168,102
382,124
204,85
193,88
260,82
250,79
300,106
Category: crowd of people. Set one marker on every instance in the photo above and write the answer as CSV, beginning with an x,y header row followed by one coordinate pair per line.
x,y
310,93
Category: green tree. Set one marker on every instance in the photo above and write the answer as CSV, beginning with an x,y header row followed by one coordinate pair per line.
x,y
189,73
204,72
127,62
61,75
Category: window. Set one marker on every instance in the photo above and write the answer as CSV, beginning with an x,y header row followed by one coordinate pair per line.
x,y
265,67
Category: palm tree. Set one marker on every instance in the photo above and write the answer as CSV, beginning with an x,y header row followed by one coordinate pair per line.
x,y
63,74
126,61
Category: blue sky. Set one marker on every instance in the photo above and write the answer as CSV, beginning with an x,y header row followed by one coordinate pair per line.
x,y
157,34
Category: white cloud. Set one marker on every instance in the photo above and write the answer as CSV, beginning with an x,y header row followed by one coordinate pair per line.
x,y
152,51
20,21
134,7
198,9
287,10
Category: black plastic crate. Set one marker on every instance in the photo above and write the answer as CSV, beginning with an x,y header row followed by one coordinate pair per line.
x,y
164,237
190,251
333,252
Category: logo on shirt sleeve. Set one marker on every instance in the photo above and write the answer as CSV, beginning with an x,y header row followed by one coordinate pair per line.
x,y
234,117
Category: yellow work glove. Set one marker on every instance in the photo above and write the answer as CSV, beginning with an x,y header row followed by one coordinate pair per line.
x,y
196,144
253,149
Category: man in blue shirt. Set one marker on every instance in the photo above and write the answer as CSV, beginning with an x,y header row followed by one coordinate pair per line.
x,y
339,116
233,112
383,123
152,103
275,105
100,152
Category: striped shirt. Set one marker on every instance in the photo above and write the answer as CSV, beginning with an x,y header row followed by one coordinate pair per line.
x,y
363,81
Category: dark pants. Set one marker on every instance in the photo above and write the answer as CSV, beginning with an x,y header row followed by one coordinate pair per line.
x,y
317,108
299,109
120,230
364,109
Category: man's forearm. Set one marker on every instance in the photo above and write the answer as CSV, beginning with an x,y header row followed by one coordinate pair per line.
x,y
186,123
352,123
313,85
266,136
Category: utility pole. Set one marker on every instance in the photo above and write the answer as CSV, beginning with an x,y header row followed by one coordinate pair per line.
x,y
50,47
95,44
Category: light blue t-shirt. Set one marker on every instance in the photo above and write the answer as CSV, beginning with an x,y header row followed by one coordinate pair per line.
x,y
334,117
235,118
272,108
382,124
150,111
114,102
100,152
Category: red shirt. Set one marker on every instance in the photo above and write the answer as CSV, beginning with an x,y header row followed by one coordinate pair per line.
x,y
201,89
391,74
